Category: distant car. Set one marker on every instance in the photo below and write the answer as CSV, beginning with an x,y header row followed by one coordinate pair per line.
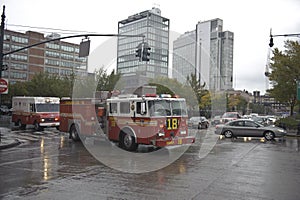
x,y
4,110
229,116
198,122
216,120
249,128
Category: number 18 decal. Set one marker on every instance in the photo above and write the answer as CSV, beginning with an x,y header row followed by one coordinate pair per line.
x,y
172,123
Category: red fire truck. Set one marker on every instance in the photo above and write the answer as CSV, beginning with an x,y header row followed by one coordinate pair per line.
x,y
129,120
38,111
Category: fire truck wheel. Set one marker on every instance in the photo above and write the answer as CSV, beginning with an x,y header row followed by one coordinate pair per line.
x,y
74,133
37,127
127,141
20,125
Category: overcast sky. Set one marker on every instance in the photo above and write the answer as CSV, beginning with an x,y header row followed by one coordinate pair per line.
x,y
249,20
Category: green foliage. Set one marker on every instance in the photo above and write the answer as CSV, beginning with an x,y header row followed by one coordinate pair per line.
x,y
45,84
288,122
285,72
202,95
107,82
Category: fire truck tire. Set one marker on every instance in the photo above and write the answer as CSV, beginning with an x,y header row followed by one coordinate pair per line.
x,y
127,141
20,125
74,134
37,127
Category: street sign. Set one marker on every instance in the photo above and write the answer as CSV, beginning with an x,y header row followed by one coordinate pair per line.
x,y
3,86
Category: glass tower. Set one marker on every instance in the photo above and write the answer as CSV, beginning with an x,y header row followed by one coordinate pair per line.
x,y
155,28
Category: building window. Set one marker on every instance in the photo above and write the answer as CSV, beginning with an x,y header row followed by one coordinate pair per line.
x,y
51,62
52,54
18,57
67,56
52,70
67,48
18,75
65,72
16,47
67,64
18,66
19,39
52,46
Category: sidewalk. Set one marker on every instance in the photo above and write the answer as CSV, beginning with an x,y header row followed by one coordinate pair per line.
x,y
6,141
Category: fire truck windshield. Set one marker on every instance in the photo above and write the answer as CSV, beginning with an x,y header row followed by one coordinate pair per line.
x,y
167,107
47,107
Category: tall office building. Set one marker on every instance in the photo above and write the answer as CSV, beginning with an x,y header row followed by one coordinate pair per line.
x,y
155,28
60,58
212,55
184,57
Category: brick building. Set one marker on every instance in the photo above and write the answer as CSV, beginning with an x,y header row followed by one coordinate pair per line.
x,y
59,57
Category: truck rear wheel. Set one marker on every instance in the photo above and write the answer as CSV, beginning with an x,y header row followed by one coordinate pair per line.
x,y
20,125
74,133
127,141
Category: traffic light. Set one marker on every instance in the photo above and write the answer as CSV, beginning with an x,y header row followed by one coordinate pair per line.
x,y
271,44
138,52
146,52
4,68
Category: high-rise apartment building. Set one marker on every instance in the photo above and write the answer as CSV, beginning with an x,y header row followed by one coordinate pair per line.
x,y
60,58
155,28
210,55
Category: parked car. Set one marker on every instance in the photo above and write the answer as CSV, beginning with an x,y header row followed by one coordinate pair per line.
x,y
198,122
249,128
229,116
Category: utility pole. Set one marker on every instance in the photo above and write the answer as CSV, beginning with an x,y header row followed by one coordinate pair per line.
x,y
1,44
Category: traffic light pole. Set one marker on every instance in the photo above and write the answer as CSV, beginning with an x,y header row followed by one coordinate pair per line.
x,y
271,44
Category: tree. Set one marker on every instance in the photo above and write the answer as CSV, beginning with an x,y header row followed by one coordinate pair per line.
x,y
107,82
285,71
202,95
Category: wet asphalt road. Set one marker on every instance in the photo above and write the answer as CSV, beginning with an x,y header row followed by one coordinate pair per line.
x,y
50,166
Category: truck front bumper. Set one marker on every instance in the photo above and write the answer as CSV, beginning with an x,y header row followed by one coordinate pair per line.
x,y
173,141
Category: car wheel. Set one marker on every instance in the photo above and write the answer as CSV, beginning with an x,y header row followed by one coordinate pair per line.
x,y
206,125
269,135
199,126
228,134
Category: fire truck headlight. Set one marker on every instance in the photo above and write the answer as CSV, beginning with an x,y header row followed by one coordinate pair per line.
x,y
160,134
182,132
42,120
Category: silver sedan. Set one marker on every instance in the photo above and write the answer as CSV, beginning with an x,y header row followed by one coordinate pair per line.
x,y
249,128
